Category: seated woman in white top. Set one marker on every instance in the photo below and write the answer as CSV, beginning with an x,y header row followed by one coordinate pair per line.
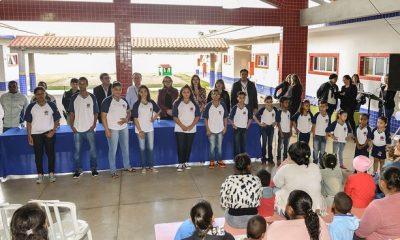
x,y
299,174
302,222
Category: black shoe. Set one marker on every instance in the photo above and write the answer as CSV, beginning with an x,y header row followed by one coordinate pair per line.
x,y
77,174
95,173
264,160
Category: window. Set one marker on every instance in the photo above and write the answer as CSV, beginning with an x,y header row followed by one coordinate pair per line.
x,y
12,59
323,64
262,61
227,59
373,66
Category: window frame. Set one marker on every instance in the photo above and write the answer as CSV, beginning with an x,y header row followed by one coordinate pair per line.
x,y
313,56
361,65
257,60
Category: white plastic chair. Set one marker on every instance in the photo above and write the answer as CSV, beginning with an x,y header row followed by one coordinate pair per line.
x,y
70,228
6,211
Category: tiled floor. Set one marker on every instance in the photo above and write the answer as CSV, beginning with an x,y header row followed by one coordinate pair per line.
x,y
128,207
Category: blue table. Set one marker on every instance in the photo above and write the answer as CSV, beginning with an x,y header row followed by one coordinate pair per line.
x,y
17,157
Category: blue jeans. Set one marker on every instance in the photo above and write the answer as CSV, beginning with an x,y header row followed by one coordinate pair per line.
x,y
239,141
146,146
215,146
267,134
338,149
78,139
319,148
304,137
285,141
121,137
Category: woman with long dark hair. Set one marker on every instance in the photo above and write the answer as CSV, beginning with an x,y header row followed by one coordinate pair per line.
x,y
355,79
220,86
348,102
387,107
296,91
166,98
199,93
284,87
302,221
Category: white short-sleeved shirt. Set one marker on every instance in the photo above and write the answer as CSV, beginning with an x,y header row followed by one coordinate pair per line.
x,y
266,116
380,139
244,89
331,99
144,113
215,116
240,116
115,109
186,113
304,122
363,134
340,131
283,117
42,117
84,110
321,123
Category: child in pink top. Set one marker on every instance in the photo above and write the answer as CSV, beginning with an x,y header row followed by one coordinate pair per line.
x,y
360,186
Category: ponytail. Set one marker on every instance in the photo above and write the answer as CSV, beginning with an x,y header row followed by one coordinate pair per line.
x,y
311,220
201,215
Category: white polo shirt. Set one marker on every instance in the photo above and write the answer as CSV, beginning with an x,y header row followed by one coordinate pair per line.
x,y
304,122
266,116
240,116
143,113
186,113
321,123
42,117
244,89
380,139
115,111
340,131
363,134
215,116
283,117
84,109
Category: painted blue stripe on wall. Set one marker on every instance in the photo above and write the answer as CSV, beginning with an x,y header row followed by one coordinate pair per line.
x,y
364,19
32,81
22,84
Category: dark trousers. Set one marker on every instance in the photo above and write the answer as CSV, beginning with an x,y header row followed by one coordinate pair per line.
x,y
350,118
304,137
239,141
5,129
40,141
184,143
331,109
285,141
388,114
363,151
267,135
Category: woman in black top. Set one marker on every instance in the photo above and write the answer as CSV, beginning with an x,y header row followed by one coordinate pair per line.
x,y
388,98
284,86
220,85
296,90
348,102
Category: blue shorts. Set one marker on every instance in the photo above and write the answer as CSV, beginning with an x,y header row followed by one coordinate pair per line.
x,y
362,152
379,152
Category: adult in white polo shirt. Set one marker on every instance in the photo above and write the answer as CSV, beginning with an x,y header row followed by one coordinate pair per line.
x,y
132,93
115,114
186,114
145,111
84,111
42,119
216,120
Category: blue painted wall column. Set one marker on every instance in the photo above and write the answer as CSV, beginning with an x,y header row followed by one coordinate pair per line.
x,y
213,58
32,72
219,69
22,73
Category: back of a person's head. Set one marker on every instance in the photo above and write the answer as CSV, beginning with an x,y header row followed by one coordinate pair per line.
x,y
301,204
256,227
342,203
300,153
201,215
391,176
264,176
29,223
328,161
242,162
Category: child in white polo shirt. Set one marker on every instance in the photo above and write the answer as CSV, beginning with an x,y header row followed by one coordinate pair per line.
x,y
363,137
302,122
340,131
186,114
145,111
321,121
284,128
240,118
215,118
266,119
380,141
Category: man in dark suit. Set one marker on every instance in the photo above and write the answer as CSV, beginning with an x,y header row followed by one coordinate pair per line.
x,y
248,87
103,90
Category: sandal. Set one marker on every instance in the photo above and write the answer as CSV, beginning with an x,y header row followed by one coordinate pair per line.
x,y
212,165
221,164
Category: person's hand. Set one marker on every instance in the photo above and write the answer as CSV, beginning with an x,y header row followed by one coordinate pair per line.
x,y
208,132
30,140
91,129
50,134
169,112
141,134
184,128
369,148
74,129
348,138
224,131
108,133
190,127
297,130
263,125
154,118
234,126
122,121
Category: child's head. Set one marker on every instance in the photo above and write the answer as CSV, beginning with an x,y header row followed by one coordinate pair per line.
x,y
241,97
364,119
144,93
202,217
268,102
382,122
323,106
256,227
215,95
305,107
242,163
264,176
342,203
284,101
328,161
361,163
28,223
342,115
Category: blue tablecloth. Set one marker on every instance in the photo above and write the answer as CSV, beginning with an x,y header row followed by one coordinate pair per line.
x,y
17,157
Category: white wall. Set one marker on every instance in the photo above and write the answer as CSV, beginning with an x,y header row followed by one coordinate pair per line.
x,y
8,73
270,76
228,70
